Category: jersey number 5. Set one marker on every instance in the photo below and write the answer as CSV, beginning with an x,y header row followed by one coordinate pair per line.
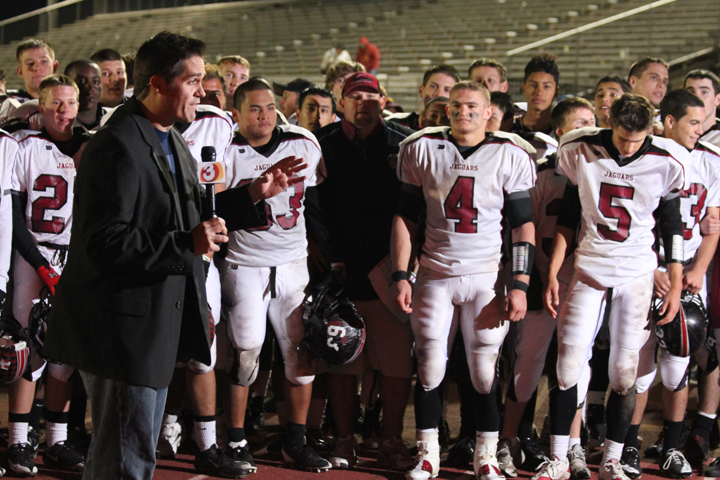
x,y
56,202
459,205
608,193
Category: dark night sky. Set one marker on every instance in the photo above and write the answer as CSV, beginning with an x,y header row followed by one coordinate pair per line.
x,y
11,8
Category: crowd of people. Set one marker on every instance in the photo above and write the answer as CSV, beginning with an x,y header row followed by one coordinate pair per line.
x,y
484,242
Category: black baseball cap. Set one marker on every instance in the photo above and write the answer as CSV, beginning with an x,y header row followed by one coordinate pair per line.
x,y
297,85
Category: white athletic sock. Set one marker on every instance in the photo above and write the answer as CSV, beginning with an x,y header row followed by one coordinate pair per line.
x,y
708,415
573,442
559,445
205,434
612,451
55,433
17,433
486,443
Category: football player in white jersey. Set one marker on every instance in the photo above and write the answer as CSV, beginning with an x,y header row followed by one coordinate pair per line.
x,y
534,334
236,70
706,85
265,272
607,90
8,152
682,114
648,77
620,181
491,73
42,185
36,60
466,179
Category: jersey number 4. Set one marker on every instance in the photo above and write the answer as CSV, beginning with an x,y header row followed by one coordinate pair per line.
x,y
459,205
608,193
56,202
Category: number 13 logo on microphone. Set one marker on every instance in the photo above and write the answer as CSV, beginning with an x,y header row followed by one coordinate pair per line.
x,y
211,172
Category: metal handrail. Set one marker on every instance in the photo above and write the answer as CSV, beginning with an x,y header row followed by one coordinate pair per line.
x,y
589,26
39,11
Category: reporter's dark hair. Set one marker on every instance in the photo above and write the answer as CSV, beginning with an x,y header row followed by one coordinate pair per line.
x,y
254,84
163,55
676,103
632,112
319,91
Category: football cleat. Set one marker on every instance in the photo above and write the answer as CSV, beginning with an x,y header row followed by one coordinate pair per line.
x,y
344,456
578,465
553,469
63,457
675,465
19,459
304,457
612,471
505,449
630,462
240,454
427,462
215,463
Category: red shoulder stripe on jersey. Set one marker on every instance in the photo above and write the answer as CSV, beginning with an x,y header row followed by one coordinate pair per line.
x,y
207,115
35,135
664,153
502,141
707,150
435,136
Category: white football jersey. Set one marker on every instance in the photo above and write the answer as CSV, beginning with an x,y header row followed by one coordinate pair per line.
x,y
703,171
11,103
8,154
618,201
544,145
464,196
48,177
283,239
712,136
211,128
546,197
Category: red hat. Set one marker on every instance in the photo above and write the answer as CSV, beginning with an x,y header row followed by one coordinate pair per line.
x,y
360,80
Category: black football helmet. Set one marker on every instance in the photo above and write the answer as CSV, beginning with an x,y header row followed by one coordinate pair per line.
x,y
14,350
37,324
334,329
687,332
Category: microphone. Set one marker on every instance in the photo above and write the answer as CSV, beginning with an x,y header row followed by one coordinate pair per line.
x,y
208,156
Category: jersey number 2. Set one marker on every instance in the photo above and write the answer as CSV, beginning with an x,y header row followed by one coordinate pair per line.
x,y
56,202
459,205
608,193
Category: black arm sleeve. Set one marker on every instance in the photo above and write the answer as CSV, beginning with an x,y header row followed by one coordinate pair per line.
x,y
518,208
235,206
570,210
23,240
671,228
410,202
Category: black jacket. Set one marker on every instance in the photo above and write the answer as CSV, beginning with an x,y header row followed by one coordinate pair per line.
x,y
131,299
359,198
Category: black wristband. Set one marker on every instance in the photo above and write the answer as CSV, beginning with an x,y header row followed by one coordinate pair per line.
x,y
518,285
399,275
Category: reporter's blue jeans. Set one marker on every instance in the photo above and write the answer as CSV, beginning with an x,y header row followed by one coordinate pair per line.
x,y
126,426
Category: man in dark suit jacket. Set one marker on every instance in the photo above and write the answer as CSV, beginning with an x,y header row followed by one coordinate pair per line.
x,y
131,300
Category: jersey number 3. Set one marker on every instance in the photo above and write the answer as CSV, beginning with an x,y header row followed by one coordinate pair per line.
x,y
56,202
459,205
608,193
